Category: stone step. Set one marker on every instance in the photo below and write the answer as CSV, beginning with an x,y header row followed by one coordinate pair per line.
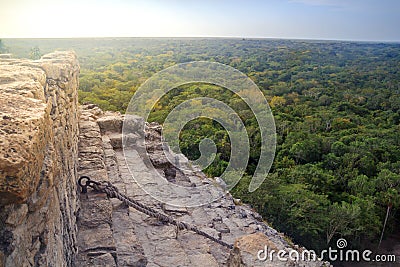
x,y
96,246
129,251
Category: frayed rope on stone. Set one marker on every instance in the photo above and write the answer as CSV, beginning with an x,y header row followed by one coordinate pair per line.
x,y
112,192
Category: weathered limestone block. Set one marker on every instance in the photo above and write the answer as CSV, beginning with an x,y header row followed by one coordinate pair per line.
x,y
38,160
258,249
111,122
26,81
247,247
24,131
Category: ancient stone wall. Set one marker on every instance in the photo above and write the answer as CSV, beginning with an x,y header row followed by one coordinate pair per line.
x,y
38,159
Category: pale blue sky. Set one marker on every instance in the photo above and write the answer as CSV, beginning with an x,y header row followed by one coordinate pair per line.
x,y
371,20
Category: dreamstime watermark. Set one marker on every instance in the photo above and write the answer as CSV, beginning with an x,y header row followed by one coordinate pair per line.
x,y
340,253
147,97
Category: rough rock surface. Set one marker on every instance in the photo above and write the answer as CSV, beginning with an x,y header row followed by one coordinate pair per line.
x,y
111,234
38,159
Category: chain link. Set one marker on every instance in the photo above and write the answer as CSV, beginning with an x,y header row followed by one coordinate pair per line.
x,y
113,192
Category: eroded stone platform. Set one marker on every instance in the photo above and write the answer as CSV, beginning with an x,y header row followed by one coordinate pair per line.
x,y
122,236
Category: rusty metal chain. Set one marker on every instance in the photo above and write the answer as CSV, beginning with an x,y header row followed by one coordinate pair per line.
x,y
113,192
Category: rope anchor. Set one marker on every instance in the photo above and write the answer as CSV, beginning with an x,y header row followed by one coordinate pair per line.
x,y
112,192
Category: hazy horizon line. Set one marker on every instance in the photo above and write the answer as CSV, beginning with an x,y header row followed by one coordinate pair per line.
x,y
214,37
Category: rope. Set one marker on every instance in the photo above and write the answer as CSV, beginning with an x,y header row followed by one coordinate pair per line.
x,y
113,192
